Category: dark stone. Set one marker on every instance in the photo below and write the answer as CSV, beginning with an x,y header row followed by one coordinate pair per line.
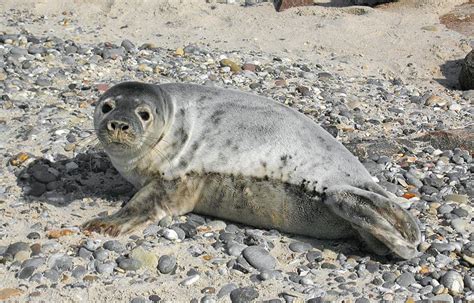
x,y
243,295
26,272
466,76
37,189
166,264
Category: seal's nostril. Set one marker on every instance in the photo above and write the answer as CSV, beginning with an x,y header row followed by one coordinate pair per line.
x,y
117,125
112,125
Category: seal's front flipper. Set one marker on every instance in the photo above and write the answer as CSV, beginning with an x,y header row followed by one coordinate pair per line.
x,y
381,222
145,205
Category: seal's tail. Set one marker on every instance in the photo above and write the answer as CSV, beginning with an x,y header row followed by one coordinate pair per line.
x,y
379,219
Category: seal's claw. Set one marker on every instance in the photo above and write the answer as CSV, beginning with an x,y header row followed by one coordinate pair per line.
x,y
106,225
381,222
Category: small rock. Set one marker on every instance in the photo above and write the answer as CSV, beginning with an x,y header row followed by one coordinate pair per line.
x,y
128,45
78,272
105,268
234,67
444,298
170,234
226,290
406,279
300,247
462,199
26,272
249,66
243,295
166,264
259,258
130,264
179,52
303,90
15,248
190,280
466,76
114,245
460,225
91,245
139,300
453,281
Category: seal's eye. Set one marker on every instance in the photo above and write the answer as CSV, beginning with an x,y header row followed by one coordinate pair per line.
x,y
144,115
106,108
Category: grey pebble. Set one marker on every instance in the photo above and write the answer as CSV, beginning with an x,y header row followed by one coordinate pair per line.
x,y
101,254
259,258
460,225
62,263
166,264
78,272
84,253
445,209
314,256
444,298
33,235
91,245
42,81
226,290
406,279
139,300
190,280
243,295
26,272
33,262
468,282
181,234
442,247
14,248
128,45
453,281
300,247
105,268
130,264
207,299
235,249
114,245
52,275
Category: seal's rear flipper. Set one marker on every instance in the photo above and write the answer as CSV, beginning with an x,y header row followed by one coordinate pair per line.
x,y
381,222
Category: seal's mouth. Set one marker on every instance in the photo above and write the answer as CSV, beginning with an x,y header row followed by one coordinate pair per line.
x,y
117,141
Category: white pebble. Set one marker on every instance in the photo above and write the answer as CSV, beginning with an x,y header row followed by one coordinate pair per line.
x,y
170,234
190,280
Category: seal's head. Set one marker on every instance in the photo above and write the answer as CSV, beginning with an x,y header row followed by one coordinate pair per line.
x,y
130,118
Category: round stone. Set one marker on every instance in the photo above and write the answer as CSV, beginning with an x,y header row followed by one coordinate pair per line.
x,y
130,264
33,235
105,268
114,245
259,258
243,295
300,247
166,264
406,279
453,281
26,272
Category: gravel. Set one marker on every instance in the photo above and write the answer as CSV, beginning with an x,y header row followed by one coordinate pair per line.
x,y
54,180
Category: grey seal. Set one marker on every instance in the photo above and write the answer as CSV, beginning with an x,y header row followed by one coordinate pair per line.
x,y
244,158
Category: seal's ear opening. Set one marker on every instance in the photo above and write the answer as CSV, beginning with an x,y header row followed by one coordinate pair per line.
x,y
381,222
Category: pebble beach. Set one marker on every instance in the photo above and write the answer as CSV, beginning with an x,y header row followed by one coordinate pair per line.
x,y
412,133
